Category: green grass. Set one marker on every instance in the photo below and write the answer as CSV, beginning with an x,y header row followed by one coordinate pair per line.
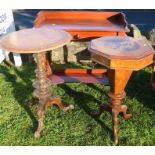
x,y
18,122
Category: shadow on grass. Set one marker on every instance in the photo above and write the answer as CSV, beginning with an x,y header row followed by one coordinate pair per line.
x,y
91,85
139,87
21,90
82,99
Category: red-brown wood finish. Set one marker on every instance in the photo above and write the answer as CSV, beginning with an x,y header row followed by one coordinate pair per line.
x,y
122,56
35,40
38,41
84,24
81,26
79,75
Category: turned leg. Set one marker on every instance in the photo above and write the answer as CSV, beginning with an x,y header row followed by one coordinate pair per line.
x,y
117,80
43,92
45,63
48,67
40,114
116,109
114,124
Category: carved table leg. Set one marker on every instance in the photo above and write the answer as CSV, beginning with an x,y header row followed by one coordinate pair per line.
x,y
48,68
43,92
117,80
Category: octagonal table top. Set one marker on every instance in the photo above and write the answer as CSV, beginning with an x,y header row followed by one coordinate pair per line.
x,y
121,47
34,40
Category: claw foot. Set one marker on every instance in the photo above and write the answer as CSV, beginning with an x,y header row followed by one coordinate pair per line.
x,y
57,101
124,110
127,116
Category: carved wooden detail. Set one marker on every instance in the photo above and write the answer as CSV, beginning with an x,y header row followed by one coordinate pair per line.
x,y
43,92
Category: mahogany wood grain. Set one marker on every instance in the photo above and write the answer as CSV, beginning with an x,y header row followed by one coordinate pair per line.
x,y
122,56
35,40
79,75
84,24
38,41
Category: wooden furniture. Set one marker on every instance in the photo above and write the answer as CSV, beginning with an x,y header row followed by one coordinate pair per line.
x,y
82,26
38,41
122,56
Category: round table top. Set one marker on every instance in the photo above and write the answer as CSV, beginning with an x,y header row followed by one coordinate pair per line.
x,y
119,47
34,40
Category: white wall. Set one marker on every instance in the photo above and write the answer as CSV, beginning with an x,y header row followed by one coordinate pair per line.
x,y
7,26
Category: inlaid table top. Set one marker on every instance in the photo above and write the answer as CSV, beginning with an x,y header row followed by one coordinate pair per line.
x,y
121,47
34,40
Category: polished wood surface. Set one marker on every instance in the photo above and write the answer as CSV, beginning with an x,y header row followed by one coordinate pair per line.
x,y
43,93
84,24
122,56
122,47
69,75
38,41
34,40
128,53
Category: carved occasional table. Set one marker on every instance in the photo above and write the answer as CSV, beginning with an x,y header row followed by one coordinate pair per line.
x,y
38,41
122,56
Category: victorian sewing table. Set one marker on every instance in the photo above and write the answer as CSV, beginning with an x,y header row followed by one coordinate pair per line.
x,y
122,56
38,41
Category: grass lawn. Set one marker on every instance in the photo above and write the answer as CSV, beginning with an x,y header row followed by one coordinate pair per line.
x,y
18,121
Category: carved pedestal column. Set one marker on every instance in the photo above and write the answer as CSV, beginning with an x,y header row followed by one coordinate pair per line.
x,y
43,92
